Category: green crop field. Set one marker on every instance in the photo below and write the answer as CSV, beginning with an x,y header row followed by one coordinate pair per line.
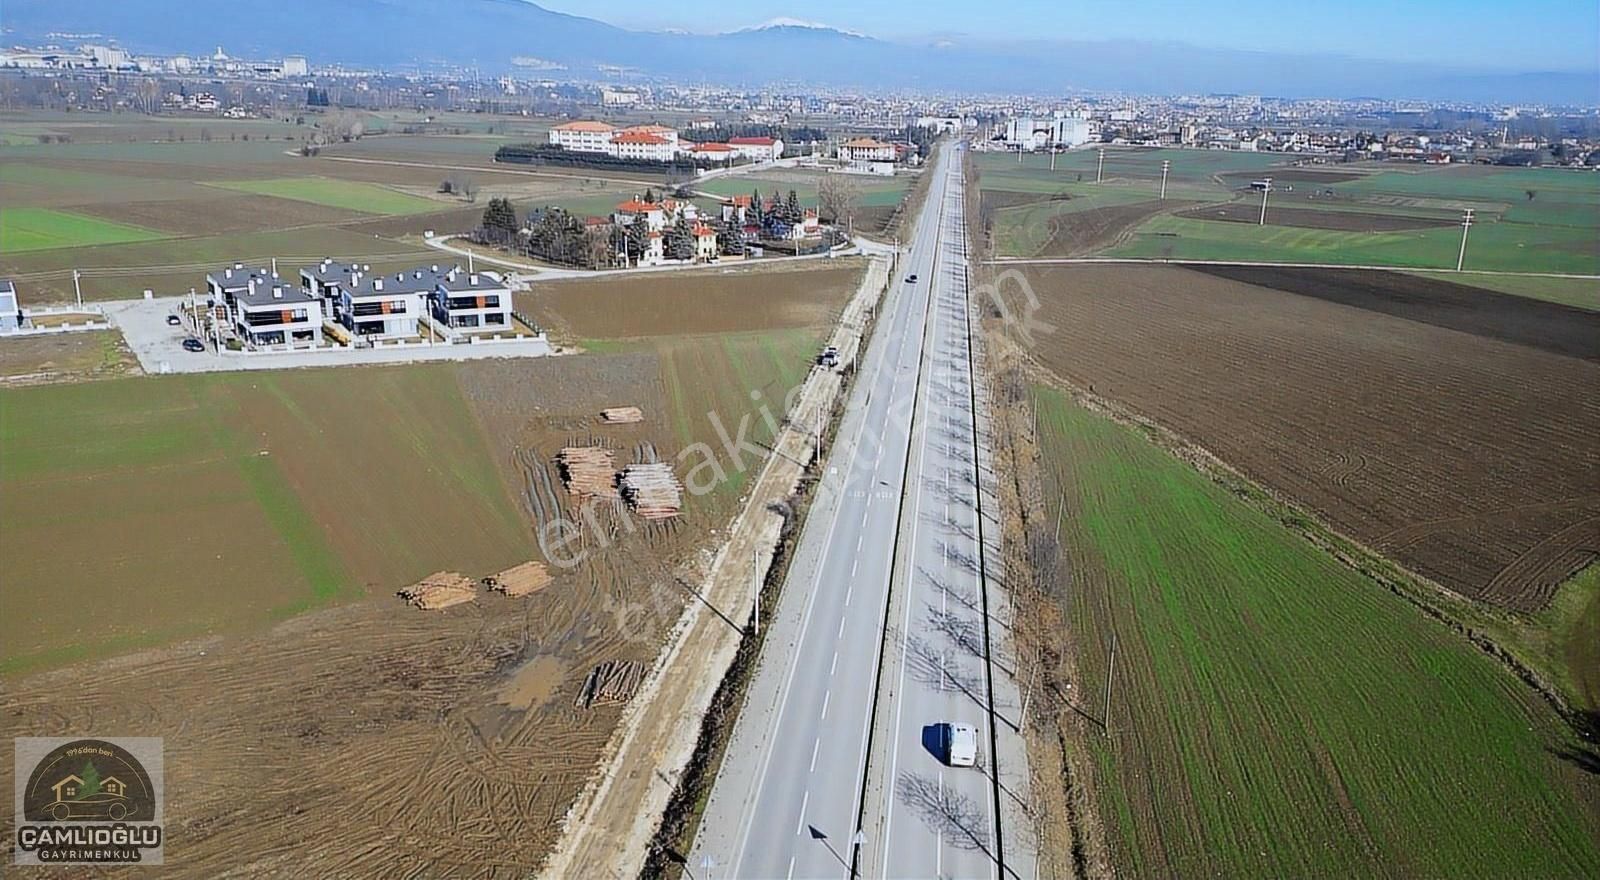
x,y
1529,220
1277,715
37,229
146,509
1191,166
1514,247
365,197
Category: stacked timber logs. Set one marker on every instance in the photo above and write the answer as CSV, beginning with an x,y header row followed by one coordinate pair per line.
x,y
441,589
652,490
621,415
521,580
589,470
611,682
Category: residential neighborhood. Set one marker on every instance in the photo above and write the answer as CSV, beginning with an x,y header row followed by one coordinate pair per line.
x,y
257,308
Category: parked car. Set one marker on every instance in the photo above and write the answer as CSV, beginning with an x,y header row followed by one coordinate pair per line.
x,y
911,279
193,344
173,320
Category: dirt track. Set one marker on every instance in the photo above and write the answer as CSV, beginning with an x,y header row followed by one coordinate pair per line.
x,y
736,299
1084,232
1396,411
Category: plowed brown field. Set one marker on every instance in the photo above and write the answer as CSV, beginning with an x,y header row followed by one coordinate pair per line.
x,y
1455,430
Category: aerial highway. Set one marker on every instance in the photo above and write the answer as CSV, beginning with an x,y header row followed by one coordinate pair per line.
x,y
897,507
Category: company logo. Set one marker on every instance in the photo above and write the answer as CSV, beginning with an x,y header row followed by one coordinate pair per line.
x,y
88,801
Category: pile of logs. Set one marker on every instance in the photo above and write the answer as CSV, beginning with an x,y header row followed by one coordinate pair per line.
x,y
621,415
611,682
652,490
521,580
441,589
588,470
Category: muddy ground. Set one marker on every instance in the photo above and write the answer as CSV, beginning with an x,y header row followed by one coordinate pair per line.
x,y
1442,428
65,357
1085,232
373,739
726,300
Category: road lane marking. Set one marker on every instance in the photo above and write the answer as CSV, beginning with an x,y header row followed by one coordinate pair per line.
x,y
848,592
835,664
817,743
825,696
842,622
803,803
805,624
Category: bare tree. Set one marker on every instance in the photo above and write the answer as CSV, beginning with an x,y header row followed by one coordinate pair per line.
x,y
837,196
460,185
346,126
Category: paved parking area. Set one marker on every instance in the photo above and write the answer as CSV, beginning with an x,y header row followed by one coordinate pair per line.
x,y
159,347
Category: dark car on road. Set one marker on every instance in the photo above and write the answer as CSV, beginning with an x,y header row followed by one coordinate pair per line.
x,y
193,344
173,320
911,279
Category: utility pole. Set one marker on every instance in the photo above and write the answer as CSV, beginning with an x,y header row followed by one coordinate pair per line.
x,y
1052,159
755,585
1100,167
76,288
1165,164
1466,224
1264,190
1110,669
1061,509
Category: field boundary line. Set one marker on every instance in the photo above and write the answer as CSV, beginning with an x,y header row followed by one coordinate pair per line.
x,y
1046,261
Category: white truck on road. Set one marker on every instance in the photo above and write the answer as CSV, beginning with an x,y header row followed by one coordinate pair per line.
x,y
960,745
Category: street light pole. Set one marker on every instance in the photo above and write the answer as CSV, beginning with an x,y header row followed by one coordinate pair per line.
x,y
1100,167
755,585
1264,190
77,289
1466,224
1165,164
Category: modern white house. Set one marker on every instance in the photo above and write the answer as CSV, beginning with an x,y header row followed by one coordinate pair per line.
x,y
225,284
385,306
273,312
472,301
324,278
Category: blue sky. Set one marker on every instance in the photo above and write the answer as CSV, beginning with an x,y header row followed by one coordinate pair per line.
x,y
1505,34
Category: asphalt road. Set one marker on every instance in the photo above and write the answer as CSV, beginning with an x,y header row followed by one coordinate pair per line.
x,y
922,817
786,799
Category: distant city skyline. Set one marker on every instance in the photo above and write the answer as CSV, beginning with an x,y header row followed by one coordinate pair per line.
x,y
1529,35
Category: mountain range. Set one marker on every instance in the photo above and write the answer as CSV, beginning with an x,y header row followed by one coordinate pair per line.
x,y
501,36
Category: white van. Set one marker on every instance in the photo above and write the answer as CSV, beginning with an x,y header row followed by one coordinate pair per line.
x,y
960,745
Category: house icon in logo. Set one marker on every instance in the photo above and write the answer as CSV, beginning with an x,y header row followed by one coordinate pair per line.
x,y
72,801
